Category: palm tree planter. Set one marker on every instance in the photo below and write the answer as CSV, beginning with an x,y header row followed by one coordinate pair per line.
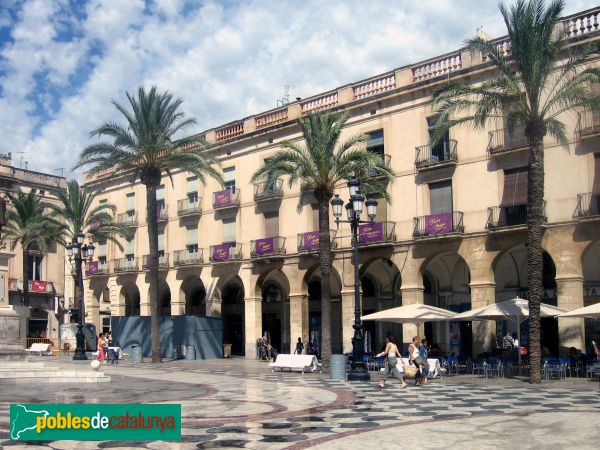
x,y
540,80
319,166
146,149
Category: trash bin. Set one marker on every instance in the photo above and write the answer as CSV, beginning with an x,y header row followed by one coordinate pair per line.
x,y
136,354
337,367
226,350
190,352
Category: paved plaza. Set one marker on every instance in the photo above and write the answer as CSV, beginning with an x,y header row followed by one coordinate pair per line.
x,y
240,404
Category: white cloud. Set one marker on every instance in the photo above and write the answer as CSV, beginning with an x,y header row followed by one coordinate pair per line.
x,y
226,60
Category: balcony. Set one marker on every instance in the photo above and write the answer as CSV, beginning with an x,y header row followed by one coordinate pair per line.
x,y
126,265
267,247
187,258
309,242
438,225
588,125
226,199
186,208
270,191
95,268
35,286
505,141
128,218
376,233
163,262
441,155
588,207
162,214
225,252
374,173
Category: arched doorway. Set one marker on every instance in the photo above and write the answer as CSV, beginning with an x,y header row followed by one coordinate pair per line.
x,y
130,296
313,283
446,280
591,293
232,312
510,274
276,315
195,296
380,288
164,299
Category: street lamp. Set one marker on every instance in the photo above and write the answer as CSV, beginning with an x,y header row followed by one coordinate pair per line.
x,y
354,208
80,253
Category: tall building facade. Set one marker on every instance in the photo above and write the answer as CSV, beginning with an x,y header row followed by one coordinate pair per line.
x,y
453,236
45,271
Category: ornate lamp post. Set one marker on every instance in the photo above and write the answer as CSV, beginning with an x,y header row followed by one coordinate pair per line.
x,y
80,253
354,207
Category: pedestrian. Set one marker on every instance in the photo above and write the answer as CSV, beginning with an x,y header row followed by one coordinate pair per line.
x,y
415,359
299,347
423,353
101,348
391,354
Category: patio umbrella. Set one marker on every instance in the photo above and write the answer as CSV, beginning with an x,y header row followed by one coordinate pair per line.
x,y
516,310
592,311
415,313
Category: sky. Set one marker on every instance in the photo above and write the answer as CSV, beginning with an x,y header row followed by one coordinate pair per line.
x,y
62,62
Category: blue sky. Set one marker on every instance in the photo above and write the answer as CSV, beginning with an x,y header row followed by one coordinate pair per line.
x,y
63,61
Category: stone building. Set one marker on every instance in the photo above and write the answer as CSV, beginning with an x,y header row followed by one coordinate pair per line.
x,y
453,236
46,272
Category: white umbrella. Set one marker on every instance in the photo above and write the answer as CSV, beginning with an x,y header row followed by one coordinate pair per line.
x,y
415,313
592,311
516,310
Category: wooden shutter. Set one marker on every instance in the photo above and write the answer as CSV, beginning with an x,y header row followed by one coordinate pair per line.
x,y
229,230
161,242
315,217
596,185
130,202
192,235
271,223
515,187
440,197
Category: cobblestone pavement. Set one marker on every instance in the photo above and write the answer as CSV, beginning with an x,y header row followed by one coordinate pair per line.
x,y
241,404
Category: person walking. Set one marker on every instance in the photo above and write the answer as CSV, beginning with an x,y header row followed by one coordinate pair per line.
x,y
299,347
392,354
414,358
101,348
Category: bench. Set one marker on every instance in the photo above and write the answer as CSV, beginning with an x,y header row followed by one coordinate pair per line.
x,y
303,363
41,348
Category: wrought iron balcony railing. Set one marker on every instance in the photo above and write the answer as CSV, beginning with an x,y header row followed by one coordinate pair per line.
x,y
163,262
588,124
507,140
438,224
225,252
188,258
187,208
94,268
588,206
309,242
508,216
376,233
268,191
442,154
34,286
126,265
226,199
269,246
128,218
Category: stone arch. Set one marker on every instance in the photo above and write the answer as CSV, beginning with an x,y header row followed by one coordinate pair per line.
x,y
130,297
164,298
232,294
272,287
193,294
590,261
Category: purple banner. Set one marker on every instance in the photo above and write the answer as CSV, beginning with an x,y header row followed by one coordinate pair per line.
x,y
264,246
370,232
223,198
220,252
311,240
438,223
92,267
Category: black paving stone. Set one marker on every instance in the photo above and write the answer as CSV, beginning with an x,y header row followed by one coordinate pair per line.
x,y
283,438
311,430
236,443
227,429
358,425
278,425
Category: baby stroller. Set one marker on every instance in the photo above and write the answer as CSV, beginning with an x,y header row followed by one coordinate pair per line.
x,y
111,356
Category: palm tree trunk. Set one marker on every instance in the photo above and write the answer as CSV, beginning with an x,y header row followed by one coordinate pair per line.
x,y
25,279
325,258
535,215
152,263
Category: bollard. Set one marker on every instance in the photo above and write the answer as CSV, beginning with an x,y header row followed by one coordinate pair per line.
x,y
190,352
136,354
337,367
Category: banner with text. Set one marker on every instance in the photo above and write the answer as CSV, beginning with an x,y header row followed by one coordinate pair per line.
x,y
438,223
311,240
370,232
223,198
265,246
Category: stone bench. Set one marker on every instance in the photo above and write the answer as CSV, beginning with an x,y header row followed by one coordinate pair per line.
x,y
40,349
303,363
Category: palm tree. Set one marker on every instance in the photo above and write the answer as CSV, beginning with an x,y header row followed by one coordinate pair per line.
x,y
75,210
319,165
539,81
146,148
28,224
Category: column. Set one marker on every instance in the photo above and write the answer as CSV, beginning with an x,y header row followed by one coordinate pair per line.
x,y
253,324
571,331
484,331
144,289
117,303
347,320
177,295
299,326
11,347
92,308
410,296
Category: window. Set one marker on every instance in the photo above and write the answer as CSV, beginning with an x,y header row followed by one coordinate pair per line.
x,y
271,223
229,178
514,197
440,197
375,143
192,239
381,215
102,260
160,199
192,189
441,151
34,267
229,231
315,217
161,245
130,249
131,203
